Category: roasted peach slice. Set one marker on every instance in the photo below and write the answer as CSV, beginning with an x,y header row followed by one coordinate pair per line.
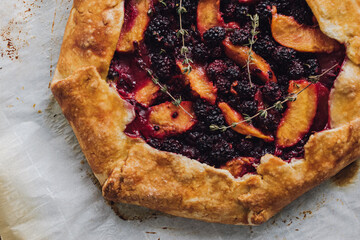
x,y
168,119
299,115
289,33
136,21
231,116
238,166
200,83
258,65
146,94
208,15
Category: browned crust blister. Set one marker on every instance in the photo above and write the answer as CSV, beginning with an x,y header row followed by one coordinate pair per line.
x,y
133,172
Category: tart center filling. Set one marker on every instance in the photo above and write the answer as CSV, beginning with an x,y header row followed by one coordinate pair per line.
x,y
224,82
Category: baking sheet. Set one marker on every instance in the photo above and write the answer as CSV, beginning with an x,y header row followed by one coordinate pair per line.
x,y
47,189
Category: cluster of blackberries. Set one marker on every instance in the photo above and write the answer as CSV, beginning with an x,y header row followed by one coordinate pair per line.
x,y
216,148
223,74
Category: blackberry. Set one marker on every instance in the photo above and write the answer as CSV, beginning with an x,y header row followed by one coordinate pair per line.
x,y
270,123
204,143
126,82
233,73
271,92
297,9
264,46
170,40
215,117
190,38
248,107
158,29
216,68
190,5
229,11
296,70
230,135
113,73
171,145
296,151
303,15
245,91
189,17
311,67
284,55
200,52
207,113
216,52
190,152
244,147
283,80
241,13
263,9
192,138
167,7
268,149
222,84
155,143
261,148
283,5
222,151
240,36
214,36
163,65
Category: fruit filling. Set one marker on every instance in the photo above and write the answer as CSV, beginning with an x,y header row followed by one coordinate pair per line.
x,y
225,82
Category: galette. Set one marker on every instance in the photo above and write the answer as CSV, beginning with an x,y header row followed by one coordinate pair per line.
x,y
217,110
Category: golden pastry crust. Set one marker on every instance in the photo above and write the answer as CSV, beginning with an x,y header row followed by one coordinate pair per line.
x,y
339,19
90,36
345,95
133,172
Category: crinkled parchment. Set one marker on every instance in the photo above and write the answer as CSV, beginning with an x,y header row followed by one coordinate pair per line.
x,y
47,190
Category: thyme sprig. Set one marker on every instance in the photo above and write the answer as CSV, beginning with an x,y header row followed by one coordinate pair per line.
x,y
279,105
164,89
316,78
254,24
181,33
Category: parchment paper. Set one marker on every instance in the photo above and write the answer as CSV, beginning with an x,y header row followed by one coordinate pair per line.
x,y
46,188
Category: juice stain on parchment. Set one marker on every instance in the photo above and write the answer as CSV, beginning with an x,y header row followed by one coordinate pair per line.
x,y
13,34
348,175
12,42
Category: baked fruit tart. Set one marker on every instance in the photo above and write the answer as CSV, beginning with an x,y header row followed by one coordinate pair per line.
x,y
218,110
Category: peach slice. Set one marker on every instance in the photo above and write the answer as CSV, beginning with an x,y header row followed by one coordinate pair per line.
x,y
135,25
200,83
237,166
231,116
289,33
299,115
168,119
147,93
208,15
258,65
